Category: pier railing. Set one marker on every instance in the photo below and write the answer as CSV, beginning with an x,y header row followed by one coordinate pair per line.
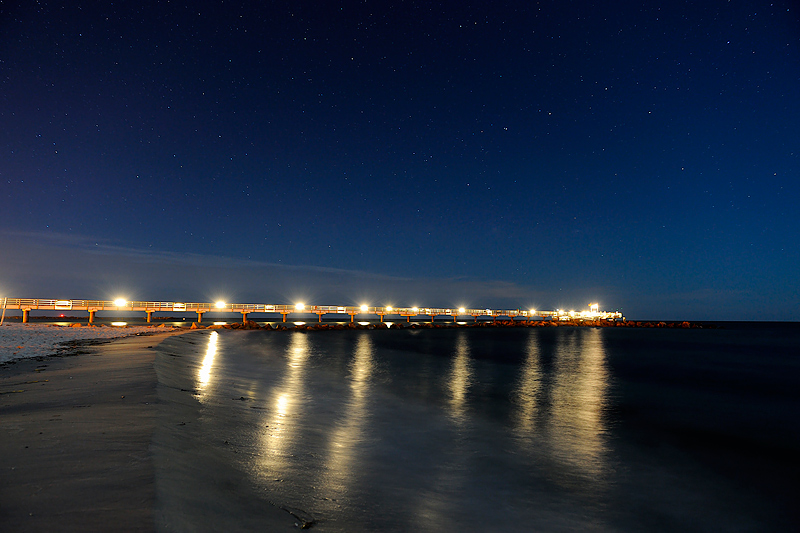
x,y
93,306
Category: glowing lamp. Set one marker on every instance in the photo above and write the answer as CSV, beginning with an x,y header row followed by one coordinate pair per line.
x,y
415,309
389,308
120,302
364,308
300,306
220,304
461,309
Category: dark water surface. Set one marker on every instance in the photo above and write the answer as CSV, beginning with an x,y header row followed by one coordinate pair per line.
x,y
558,429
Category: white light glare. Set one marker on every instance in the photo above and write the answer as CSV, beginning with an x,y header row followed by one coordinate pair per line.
x,y
461,309
120,302
220,304
300,306
364,308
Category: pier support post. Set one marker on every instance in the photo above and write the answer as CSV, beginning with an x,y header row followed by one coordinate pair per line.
x,y
91,317
319,318
199,317
408,318
25,315
352,318
244,317
454,319
381,318
284,316
149,315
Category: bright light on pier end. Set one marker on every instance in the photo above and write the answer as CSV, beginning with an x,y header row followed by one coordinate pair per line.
x,y
364,308
389,308
299,306
120,302
220,304
461,309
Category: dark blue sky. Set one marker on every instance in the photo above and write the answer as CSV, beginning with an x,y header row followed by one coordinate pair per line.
x,y
645,154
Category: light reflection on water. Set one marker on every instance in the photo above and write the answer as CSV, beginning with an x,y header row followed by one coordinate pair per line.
x,y
434,505
327,428
459,380
204,373
460,430
287,400
528,394
346,442
575,427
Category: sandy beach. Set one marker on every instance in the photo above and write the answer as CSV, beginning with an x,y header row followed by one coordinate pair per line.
x,y
77,430
78,450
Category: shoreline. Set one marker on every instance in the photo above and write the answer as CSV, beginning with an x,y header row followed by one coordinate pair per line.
x,y
77,434
322,326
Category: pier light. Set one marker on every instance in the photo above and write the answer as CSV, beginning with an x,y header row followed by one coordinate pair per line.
x,y
299,306
120,302
415,309
220,304
364,308
389,308
533,312
461,309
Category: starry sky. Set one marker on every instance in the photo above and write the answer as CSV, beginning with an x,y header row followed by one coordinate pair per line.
x,y
645,155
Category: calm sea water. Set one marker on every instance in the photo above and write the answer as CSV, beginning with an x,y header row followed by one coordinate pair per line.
x,y
560,429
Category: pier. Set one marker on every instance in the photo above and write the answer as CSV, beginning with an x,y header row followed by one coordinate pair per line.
x,y
26,305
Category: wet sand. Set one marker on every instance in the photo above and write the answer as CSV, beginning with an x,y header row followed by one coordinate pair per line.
x,y
92,442
198,484
76,436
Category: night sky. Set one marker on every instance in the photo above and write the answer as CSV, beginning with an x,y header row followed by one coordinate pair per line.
x,y
645,155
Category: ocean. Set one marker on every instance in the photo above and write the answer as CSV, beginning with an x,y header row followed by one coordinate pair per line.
x,y
482,429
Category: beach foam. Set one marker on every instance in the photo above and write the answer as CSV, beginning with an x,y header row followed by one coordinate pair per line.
x,y
20,341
